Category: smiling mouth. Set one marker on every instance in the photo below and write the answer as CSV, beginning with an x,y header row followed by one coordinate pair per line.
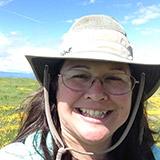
x,y
94,113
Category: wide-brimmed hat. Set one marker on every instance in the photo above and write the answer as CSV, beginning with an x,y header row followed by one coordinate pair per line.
x,y
98,37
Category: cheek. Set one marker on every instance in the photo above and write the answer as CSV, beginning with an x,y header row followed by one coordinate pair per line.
x,y
126,102
65,106
124,105
66,96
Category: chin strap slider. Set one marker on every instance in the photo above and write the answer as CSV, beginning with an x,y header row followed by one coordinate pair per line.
x,y
60,152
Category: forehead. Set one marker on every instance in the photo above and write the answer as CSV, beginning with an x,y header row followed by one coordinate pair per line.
x,y
68,64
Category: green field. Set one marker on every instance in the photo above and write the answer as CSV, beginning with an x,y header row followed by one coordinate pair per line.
x,y
14,90
12,93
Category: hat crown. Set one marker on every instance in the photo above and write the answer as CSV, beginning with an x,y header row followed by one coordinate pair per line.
x,y
96,34
97,22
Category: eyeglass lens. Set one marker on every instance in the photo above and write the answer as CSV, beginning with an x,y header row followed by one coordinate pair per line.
x,y
113,83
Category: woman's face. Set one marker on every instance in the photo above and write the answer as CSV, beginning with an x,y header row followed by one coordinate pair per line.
x,y
91,116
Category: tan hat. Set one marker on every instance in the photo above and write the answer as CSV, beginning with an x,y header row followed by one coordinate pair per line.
x,y
98,37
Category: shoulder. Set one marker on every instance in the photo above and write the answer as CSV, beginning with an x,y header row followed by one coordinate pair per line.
x,y
15,151
156,152
28,150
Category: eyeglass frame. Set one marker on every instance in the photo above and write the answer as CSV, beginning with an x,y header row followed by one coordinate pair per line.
x,y
94,78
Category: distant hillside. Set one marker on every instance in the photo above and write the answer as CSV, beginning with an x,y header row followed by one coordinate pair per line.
x,y
17,75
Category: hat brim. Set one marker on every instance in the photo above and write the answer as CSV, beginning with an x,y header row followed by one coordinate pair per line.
x,y
152,71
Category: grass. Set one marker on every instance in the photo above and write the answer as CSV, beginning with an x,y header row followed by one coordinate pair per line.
x,y
14,90
153,113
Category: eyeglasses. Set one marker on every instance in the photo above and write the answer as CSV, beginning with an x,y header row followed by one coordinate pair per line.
x,y
113,83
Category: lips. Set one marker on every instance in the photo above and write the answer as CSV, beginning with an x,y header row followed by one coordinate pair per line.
x,y
94,113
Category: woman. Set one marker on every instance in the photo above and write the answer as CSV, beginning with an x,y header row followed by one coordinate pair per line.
x,y
91,104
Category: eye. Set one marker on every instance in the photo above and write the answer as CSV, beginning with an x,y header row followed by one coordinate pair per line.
x,y
80,76
77,75
113,78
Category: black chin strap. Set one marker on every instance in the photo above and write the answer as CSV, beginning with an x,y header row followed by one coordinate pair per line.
x,y
62,149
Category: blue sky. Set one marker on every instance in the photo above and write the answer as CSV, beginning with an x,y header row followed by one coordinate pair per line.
x,y
36,26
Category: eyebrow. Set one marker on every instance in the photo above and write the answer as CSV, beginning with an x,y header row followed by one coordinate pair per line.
x,y
112,68
79,66
119,68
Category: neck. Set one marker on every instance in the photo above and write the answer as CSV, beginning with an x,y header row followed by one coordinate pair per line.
x,y
83,146
100,157
89,157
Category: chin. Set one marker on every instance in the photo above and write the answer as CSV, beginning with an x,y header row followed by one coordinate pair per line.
x,y
95,136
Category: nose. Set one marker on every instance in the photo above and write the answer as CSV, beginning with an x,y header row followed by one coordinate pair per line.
x,y
96,91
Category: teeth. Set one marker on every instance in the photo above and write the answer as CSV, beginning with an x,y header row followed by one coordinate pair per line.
x,y
93,113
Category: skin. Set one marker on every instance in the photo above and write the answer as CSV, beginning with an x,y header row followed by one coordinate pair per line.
x,y
91,134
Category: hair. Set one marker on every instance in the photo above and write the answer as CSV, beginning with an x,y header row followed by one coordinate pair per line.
x,y
132,148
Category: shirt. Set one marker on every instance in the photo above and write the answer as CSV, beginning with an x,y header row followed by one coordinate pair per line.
x,y
30,149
